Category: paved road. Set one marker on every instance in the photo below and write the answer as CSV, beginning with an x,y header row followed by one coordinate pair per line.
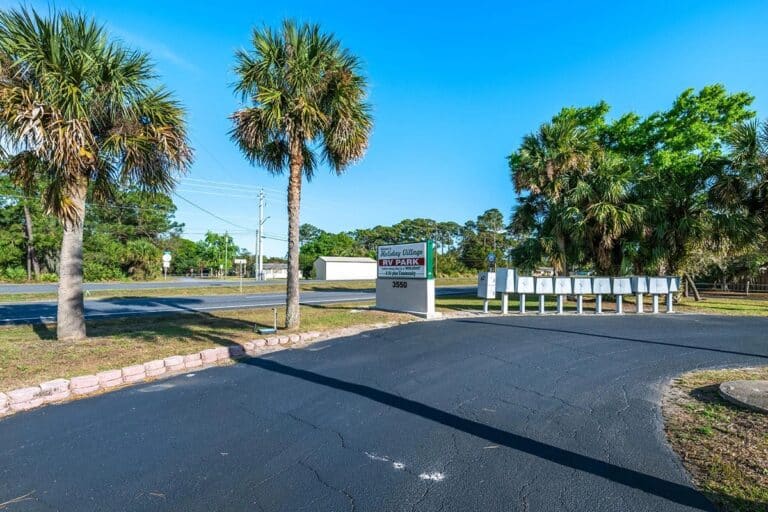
x,y
45,311
181,282
532,413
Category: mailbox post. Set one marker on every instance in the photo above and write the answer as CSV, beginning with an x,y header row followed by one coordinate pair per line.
x,y
600,287
524,285
639,287
581,286
486,287
563,287
657,286
544,286
505,284
621,286
673,286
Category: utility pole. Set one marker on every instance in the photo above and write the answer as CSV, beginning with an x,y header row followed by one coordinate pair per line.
x,y
226,253
259,238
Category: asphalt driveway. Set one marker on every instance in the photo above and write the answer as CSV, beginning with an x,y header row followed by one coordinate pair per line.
x,y
487,414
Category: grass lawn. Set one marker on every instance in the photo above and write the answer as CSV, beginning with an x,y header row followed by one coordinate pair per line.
x,y
229,289
723,446
29,354
756,305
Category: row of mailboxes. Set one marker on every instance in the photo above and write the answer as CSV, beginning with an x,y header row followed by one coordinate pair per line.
x,y
507,280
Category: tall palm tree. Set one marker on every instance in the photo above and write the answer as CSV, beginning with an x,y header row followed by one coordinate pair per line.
x,y
307,102
87,107
608,211
545,167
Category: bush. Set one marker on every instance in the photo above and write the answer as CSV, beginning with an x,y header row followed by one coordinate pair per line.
x,y
15,274
49,277
93,271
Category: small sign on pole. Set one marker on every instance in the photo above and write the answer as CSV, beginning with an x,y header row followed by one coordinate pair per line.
x,y
241,262
166,263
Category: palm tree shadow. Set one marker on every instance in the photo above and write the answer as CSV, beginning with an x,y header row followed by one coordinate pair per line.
x,y
674,492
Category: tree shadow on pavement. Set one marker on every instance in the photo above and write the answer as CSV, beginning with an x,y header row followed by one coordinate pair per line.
x,y
618,338
674,492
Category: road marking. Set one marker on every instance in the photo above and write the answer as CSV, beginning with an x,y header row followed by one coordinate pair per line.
x,y
435,477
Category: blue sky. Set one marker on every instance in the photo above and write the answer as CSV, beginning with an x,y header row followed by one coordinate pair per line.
x,y
453,88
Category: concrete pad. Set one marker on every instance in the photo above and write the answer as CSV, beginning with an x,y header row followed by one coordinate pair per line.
x,y
752,394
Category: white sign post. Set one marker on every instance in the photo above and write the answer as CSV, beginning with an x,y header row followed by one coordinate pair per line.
x,y
406,278
166,264
241,262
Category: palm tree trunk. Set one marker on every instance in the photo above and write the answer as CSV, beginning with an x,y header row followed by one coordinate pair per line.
x,y
689,280
33,265
70,317
564,264
292,310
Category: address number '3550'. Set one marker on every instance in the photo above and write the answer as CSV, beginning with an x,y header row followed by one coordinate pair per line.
x,y
399,284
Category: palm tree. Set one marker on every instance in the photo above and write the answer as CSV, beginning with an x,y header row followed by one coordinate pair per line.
x,y
87,108
306,96
545,168
607,211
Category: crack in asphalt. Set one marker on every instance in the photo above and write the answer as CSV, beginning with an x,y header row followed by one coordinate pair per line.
x,y
320,479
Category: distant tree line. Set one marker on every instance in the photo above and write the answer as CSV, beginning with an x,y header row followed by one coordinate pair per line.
x,y
461,249
124,239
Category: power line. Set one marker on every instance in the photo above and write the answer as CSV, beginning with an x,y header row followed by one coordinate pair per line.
x,y
209,212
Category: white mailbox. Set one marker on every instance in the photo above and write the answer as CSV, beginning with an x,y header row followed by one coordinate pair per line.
x,y
505,280
622,286
563,285
639,284
658,285
674,284
582,285
486,285
601,285
545,286
524,284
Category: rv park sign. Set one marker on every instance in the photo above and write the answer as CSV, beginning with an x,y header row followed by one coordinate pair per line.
x,y
406,278
406,261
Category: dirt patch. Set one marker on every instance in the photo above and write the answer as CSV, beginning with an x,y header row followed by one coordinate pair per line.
x,y
723,446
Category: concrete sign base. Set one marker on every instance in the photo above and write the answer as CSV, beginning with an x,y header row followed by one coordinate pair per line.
x,y
415,296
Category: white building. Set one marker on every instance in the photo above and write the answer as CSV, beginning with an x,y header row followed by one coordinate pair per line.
x,y
275,271
338,268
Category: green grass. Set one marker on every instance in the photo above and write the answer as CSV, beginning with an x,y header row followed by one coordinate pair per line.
x,y
30,354
724,446
228,289
733,306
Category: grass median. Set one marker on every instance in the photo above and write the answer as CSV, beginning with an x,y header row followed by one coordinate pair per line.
x,y
230,288
29,354
723,446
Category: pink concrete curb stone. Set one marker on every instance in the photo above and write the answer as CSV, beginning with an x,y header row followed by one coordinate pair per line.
x,y
154,368
192,361
84,384
134,373
54,390
174,363
209,356
110,378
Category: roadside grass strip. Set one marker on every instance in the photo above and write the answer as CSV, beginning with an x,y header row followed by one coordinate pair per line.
x,y
723,446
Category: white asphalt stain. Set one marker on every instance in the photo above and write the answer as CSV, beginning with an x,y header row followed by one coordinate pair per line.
x,y
435,477
398,465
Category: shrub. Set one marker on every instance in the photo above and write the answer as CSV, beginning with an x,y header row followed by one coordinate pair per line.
x,y
93,271
15,274
48,277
